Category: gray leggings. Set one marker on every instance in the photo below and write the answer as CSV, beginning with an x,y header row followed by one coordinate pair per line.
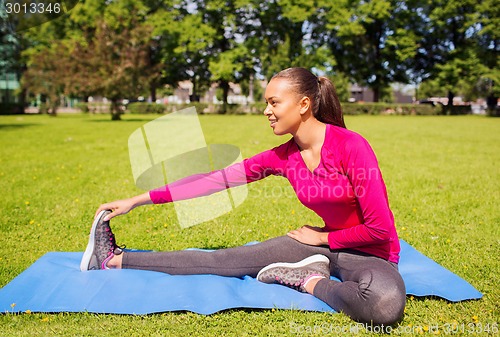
x,y
371,291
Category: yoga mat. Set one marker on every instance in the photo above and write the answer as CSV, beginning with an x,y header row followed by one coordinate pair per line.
x,y
54,283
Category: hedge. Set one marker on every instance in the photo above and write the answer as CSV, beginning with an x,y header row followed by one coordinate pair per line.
x,y
201,108
389,109
84,107
93,107
11,108
145,108
259,107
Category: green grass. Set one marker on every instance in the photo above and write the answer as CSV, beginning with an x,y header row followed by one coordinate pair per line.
x,y
442,175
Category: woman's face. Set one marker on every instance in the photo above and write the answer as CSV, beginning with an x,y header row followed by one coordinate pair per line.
x,y
283,107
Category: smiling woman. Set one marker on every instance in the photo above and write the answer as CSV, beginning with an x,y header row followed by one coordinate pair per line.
x,y
333,171
319,91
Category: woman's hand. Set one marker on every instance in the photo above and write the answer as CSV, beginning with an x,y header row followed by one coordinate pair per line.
x,y
124,206
314,236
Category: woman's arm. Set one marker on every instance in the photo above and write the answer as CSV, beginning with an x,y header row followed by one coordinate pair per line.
x,y
251,169
314,236
361,166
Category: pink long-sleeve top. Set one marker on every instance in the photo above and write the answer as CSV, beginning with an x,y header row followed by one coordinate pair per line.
x,y
346,189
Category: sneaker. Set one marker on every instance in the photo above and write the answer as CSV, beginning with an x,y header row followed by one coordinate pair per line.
x,y
102,245
296,275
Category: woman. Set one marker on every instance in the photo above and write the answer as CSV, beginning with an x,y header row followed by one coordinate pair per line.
x,y
333,171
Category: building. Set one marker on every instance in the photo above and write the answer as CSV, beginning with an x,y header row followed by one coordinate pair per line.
x,y
8,86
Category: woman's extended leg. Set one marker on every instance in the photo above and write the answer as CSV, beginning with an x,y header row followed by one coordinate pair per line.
x,y
237,261
371,291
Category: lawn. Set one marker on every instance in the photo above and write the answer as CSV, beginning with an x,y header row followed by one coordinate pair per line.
x,y
442,175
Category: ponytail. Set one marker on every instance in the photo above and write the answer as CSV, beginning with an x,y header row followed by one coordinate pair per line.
x,y
329,109
325,103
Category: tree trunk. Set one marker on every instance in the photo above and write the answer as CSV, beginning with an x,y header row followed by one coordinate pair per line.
x,y
194,97
22,99
251,99
492,105
449,106
376,94
53,110
225,92
152,89
115,110
52,105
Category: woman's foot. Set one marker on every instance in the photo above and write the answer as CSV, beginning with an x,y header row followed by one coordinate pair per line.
x,y
301,276
102,245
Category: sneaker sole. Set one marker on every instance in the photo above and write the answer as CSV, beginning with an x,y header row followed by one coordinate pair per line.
x,y
87,255
303,263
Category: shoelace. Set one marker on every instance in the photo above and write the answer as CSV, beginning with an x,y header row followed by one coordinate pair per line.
x,y
113,245
296,285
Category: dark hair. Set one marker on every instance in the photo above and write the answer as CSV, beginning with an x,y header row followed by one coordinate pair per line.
x,y
325,103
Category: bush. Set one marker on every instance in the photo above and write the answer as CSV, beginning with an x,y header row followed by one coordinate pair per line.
x,y
97,107
145,108
389,109
458,110
201,108
43,108
11,108
154,108
257,108
232,109
83,107
493,112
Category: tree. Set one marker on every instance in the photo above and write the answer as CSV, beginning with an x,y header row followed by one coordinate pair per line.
x,y
11,61
116,62
46,74
109,54
372,41
189,48
8,49
451,59
167,17
459,50
488,48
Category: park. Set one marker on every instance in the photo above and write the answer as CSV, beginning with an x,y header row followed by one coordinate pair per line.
x,y
442,179
439,161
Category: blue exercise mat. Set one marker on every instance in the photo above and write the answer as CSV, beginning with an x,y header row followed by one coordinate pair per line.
x,y
55,283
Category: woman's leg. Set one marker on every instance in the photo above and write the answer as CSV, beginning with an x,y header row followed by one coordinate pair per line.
x,y
371,291
238,261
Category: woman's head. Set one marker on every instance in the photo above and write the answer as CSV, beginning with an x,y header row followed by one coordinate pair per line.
x,y
325,105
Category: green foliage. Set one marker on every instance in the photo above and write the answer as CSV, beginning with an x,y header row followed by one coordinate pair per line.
x,y
431,88
228,63
11,108
145,108
257,108
258,90
342,85
389,109
120,48
154,108
201,108
369,37
83,107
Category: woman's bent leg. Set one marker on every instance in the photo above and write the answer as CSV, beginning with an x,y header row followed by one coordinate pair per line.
x,y
237,261
371,291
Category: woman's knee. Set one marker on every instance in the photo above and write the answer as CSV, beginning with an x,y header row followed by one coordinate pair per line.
x,y
384,297
388,309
